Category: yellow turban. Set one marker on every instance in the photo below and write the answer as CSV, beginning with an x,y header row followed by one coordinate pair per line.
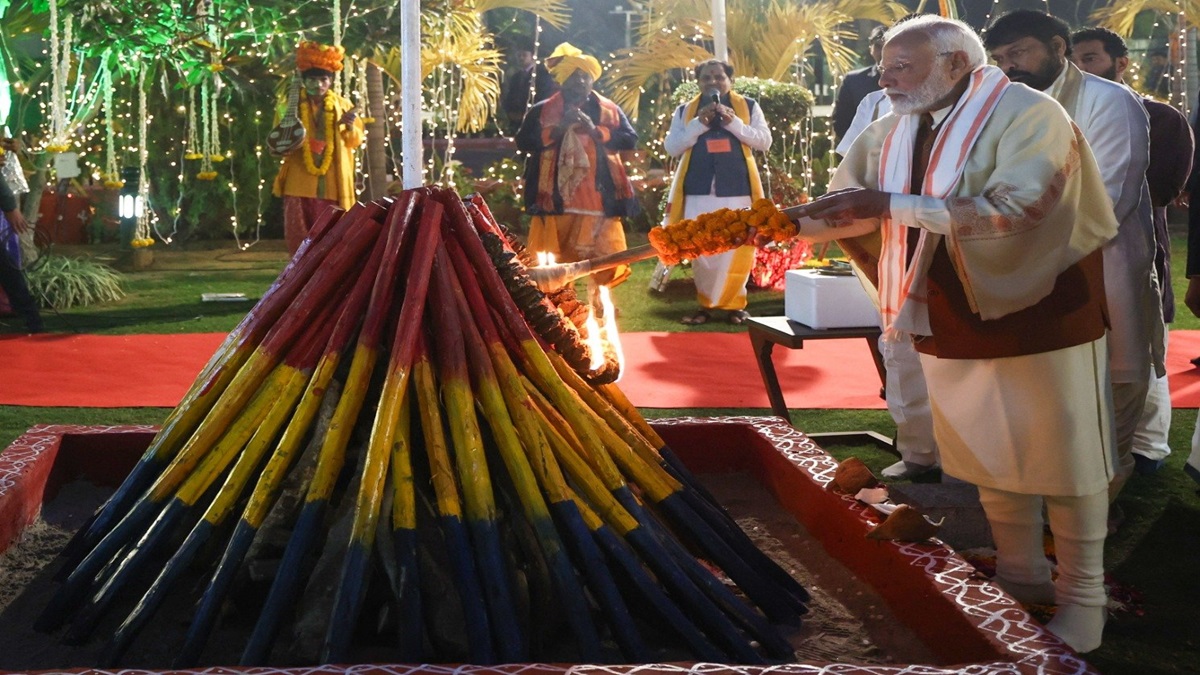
x,y
567,58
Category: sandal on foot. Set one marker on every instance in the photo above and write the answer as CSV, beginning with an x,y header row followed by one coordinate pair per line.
x,y
738,317
701,316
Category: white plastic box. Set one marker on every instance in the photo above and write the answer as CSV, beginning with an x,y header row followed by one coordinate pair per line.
x,y
827,301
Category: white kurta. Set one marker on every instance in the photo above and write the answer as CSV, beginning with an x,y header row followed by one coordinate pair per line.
x,y
873,106
720,279
1033,424
1115,124
1026,424
907,395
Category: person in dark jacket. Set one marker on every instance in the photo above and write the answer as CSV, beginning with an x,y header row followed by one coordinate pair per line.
x,y
857,84
529,75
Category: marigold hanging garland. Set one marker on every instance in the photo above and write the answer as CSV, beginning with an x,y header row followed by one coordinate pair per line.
x,y
60,59
720,230
310,164
192,149
112,175
209,142
141,236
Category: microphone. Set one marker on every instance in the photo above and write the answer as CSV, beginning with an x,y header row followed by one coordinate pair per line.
x,y
714,96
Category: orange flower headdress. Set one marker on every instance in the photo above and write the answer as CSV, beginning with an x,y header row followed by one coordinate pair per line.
x,y
316,55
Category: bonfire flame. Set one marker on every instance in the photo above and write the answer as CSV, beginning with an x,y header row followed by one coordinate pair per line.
x,y
603,341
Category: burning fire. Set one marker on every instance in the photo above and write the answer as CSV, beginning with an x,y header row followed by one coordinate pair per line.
x,y
545,258
603,339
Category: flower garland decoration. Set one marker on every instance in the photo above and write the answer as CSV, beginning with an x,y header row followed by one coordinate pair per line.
x,y
772,262
60,60
310,164
210,142
112,176
193,142
719,231
142,229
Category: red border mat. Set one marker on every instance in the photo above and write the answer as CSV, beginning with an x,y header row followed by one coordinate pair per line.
x,y
663,370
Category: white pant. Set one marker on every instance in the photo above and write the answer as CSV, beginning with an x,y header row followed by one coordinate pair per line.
x,y
908,402
1129,400
1194,458
1150,436
1079,526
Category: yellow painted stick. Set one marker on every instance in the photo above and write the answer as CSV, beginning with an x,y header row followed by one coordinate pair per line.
x,y
441,467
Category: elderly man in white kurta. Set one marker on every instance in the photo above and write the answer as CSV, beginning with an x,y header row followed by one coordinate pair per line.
x,y
713,136
983,193
1032,47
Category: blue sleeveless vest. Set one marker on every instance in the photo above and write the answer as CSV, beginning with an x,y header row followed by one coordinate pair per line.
x,y
734,179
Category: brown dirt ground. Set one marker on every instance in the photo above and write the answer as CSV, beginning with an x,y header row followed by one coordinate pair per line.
x,y
847,622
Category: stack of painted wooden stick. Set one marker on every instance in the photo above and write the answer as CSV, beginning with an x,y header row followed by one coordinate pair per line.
x,y
388,375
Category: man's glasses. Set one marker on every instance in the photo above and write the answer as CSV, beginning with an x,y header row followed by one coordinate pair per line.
x,y
901,68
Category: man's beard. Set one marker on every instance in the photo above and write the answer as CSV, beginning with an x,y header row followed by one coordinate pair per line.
x,y
1040,80
922,99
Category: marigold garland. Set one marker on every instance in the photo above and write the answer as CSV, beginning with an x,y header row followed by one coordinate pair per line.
x,y
327,159
719,231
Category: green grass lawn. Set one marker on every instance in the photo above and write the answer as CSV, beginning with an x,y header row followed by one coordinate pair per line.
x,y
1156,553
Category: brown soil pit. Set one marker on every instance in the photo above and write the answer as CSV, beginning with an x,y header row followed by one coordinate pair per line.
x,y
847,622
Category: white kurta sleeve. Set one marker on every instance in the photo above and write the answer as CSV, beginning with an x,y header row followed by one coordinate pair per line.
x,y
682,135
1118,130
869,109
757,134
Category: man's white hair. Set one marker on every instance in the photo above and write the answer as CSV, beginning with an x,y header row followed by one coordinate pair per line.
x,y
947,35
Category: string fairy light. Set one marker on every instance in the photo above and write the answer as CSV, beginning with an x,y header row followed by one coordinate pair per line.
x,y
141,236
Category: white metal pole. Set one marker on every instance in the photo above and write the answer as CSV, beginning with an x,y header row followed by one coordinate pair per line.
x,y
410,93
720,45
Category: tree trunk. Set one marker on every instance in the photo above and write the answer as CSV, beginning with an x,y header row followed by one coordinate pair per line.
x,y
33,205
376,134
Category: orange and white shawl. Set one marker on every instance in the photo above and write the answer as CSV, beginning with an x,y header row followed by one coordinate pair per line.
x,y
955,140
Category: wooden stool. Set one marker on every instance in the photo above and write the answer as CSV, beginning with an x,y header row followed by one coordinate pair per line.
x,y
766,332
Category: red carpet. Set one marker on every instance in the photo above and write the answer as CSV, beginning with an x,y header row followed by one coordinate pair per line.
x,y
663,370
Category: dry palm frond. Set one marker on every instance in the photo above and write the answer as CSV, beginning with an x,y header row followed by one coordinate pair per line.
x,y
633,71
787,32
883,12
1120,15
474,66
554,12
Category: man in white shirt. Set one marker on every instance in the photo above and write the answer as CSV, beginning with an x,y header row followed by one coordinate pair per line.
x,y
1033,47
1103,53
713,137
